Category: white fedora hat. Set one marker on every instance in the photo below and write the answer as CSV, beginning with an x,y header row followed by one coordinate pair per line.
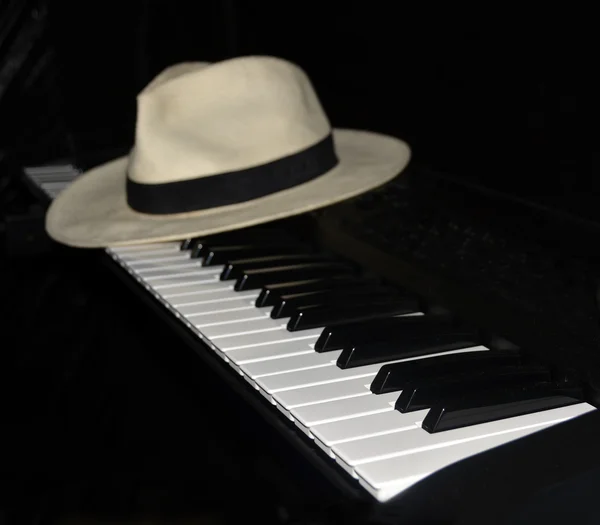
x,y
219,147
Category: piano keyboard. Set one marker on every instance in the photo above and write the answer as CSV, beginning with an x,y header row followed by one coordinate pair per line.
x,y
388,392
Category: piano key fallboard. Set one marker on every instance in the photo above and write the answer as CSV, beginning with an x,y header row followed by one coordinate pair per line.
x,y
389,390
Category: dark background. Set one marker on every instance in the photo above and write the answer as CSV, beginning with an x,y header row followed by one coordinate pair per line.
x,y
100,419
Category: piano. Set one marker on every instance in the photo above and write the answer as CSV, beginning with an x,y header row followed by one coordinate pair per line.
x,y
396,344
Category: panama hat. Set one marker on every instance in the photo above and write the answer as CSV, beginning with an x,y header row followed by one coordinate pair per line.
x,y
220,147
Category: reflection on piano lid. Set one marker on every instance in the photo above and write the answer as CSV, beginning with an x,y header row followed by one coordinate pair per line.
x,y
389,389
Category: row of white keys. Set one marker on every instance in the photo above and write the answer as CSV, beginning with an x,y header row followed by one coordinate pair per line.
x,y
277,338
227,318
178,263
162,277
296,374
360,430
331,374
237,323
266,352
301,397
389,477
423,453
241,319
52,179
390,445
325,393
344,411
307,387
52,183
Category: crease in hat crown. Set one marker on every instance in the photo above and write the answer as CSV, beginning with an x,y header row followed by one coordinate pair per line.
x,y
197,119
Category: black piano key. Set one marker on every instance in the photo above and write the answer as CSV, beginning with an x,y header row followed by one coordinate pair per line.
x,y
270,294
413,343
254,279
187,243
308,318
394,377
236,268
434,391
201,249
493,405
216,255
195,244
267,237
351,295
340,336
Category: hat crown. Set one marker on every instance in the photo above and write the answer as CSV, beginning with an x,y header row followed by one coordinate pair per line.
x,y
197,120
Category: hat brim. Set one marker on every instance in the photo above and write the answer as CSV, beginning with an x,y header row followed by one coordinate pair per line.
x,y
93,213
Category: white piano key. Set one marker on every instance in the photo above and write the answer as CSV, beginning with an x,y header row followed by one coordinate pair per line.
x,y
396,444
273,337
319,376
191,274
267,352
240,305
153,257
196,292
332,374
196,311
178,260
290,364
349,407
368,426
322,393
243,327
224,298
139,248
387,478
189,270
180,282
229,317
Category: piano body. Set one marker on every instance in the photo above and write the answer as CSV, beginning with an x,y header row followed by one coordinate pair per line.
x,y
431,348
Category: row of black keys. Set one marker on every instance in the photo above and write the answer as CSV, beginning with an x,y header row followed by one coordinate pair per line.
x,y
312,289
359,318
